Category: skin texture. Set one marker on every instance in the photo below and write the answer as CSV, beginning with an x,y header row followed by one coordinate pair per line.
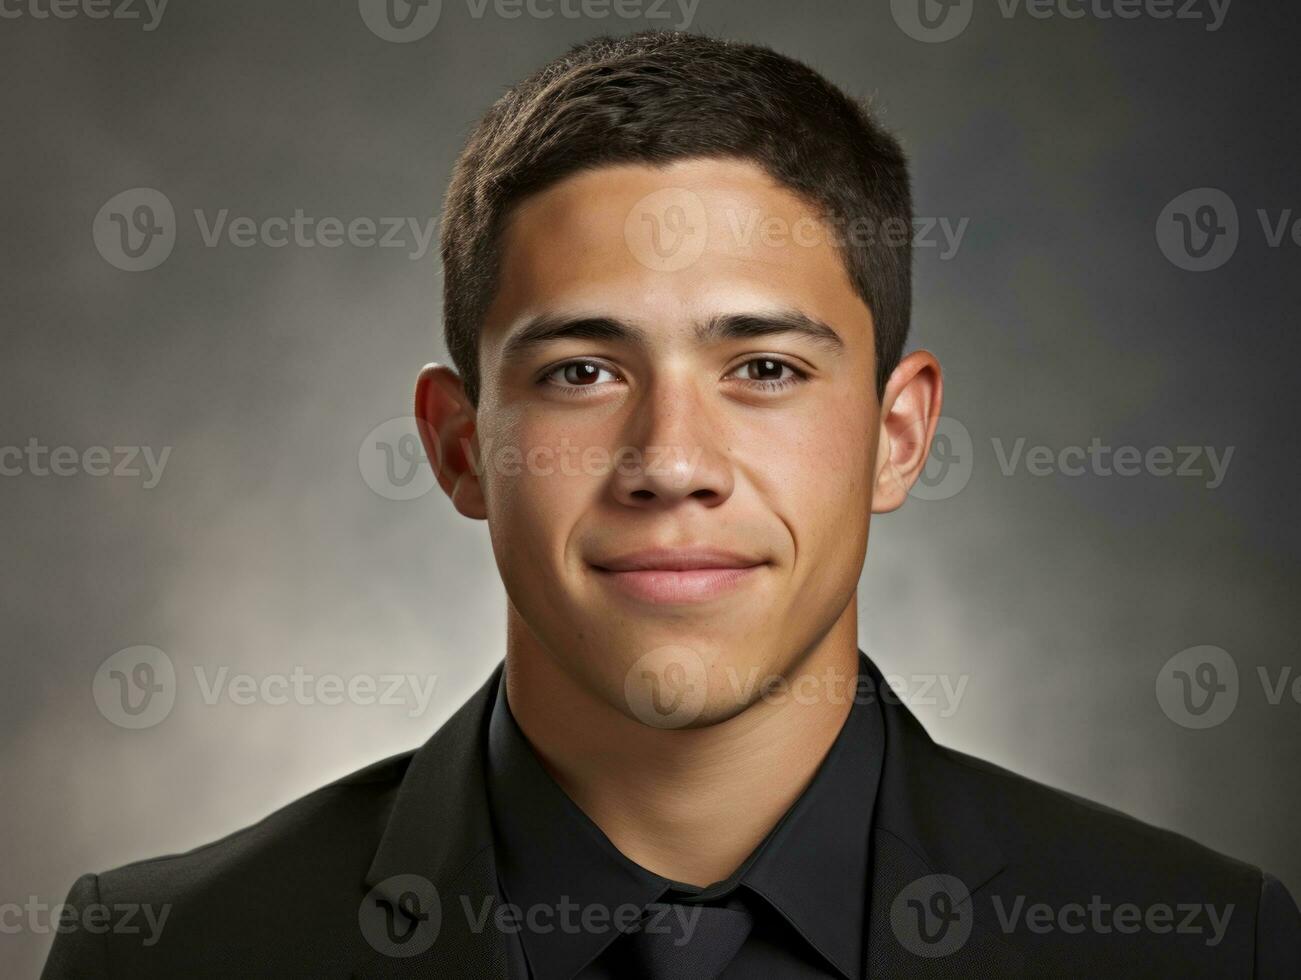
x,y
787,474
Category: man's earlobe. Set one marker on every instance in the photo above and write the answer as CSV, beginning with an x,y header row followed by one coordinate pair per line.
x,y
910,409
446,421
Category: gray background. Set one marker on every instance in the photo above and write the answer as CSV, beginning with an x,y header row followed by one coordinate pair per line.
x,y
262,548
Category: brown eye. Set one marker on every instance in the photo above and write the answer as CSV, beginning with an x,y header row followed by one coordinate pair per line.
x,y
764,369
765,373
581,373
575,376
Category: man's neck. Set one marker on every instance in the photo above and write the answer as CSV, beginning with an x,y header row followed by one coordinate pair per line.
x,y
690,805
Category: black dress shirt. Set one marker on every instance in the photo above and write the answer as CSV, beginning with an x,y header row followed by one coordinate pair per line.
x,y
805,886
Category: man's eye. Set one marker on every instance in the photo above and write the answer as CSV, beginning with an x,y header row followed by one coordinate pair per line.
x,y
769,373
577,374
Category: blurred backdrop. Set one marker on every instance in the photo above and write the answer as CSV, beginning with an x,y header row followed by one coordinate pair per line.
x,y
198,456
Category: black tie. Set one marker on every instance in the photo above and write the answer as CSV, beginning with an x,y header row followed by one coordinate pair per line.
x,y
684,941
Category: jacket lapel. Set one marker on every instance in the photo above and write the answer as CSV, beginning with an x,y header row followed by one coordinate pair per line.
x,y
431,890
933,851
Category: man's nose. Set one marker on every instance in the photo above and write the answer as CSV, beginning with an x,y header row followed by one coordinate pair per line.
x,y
675,447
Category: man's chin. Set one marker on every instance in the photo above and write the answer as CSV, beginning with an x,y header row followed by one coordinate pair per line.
x,y
684,687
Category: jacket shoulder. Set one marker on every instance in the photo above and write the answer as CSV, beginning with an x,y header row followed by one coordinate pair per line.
x,y
1064,828
347,814
273,899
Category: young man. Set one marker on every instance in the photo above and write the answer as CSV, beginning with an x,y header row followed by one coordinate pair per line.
x,y
677,433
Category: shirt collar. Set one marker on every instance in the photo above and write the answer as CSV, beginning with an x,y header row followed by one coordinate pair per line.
x,y
812,868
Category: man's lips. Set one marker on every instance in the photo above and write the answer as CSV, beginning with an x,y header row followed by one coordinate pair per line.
x,y
675,575
676,560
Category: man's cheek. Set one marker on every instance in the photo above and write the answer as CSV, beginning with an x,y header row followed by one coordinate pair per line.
x,y
533,515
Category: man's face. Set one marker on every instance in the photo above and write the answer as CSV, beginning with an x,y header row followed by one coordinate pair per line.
x,y
636,428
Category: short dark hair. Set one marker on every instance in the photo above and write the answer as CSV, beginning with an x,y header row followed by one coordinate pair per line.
x,y
654,97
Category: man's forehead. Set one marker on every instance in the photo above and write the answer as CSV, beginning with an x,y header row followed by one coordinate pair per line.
x,y
600,201
686,241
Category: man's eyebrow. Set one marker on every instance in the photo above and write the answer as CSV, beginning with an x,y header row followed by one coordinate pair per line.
x,y
549,327
733,326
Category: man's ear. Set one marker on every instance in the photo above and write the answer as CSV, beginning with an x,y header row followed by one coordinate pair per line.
x,y
910,410
446,421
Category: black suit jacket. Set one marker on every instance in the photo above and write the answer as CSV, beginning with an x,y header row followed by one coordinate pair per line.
x,y
975,871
